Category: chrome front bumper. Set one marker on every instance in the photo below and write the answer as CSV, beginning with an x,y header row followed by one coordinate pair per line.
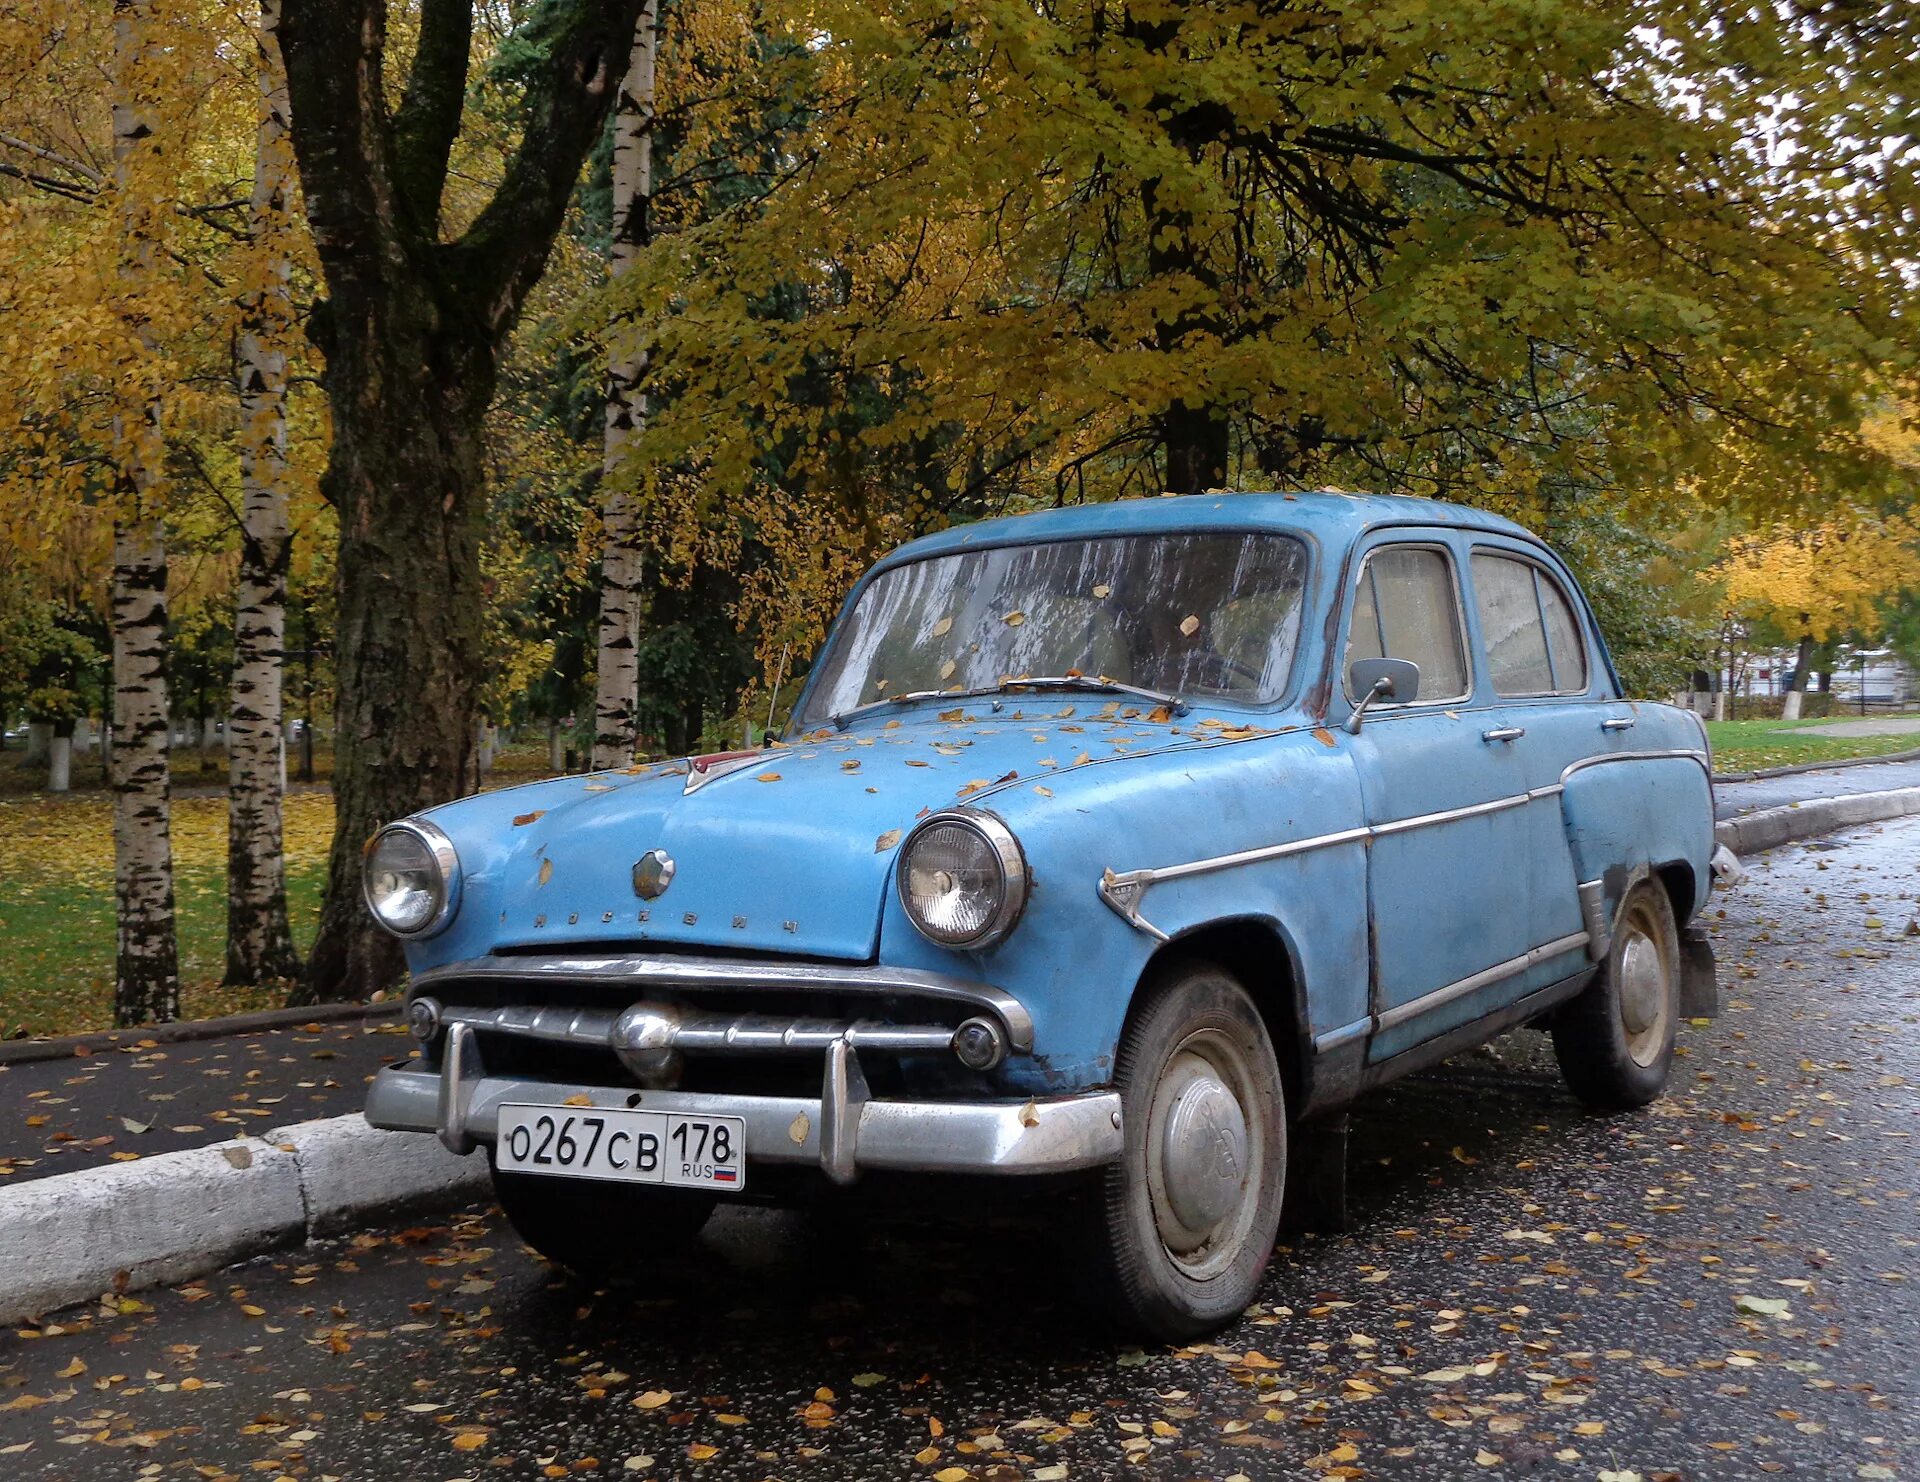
x,y
843,1131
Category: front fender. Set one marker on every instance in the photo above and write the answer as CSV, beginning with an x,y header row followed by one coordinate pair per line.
x,y
1075,963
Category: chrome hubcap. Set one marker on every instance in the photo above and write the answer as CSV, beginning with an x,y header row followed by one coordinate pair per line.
x,y
1202,1159
1203,1153
1642,985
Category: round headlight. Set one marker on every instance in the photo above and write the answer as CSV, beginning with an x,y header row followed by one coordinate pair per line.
x,y
412,878
963,879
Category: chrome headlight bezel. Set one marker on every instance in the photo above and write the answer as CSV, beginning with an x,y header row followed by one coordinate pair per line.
x,y
1006,852
447,894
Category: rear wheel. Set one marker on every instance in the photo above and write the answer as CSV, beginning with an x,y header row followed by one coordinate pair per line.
x,y
1188,1215
599,1228
1615,1041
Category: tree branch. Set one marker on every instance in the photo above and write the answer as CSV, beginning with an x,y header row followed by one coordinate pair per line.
x,y
428,119
582,48
334,51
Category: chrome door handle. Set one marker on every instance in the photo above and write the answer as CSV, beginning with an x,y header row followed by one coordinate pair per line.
x,y
1504,733
1623,723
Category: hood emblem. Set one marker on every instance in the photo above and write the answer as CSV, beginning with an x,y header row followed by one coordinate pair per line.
x,y
652,874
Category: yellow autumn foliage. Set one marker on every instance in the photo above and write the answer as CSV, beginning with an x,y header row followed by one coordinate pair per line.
x,y
1826,580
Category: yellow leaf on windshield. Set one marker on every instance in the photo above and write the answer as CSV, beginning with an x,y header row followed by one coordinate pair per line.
x,y
943,627
1014,619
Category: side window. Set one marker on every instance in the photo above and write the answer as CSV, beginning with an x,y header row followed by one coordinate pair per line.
x,y
1566,638
1408,607
1532,637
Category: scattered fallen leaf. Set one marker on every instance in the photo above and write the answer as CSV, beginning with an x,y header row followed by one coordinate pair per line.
x,y
886,841
521,820
768,777
652,1399
1189,625
1014,619
546,870
943,627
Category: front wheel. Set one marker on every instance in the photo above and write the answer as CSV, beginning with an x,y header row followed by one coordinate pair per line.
x,y
599,1228
1615,1041
1188,1215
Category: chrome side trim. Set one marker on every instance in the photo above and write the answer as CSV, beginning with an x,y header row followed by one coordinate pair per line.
x,y
1123,892
1639,756
1593,911
1332,1039
1460,988
641,971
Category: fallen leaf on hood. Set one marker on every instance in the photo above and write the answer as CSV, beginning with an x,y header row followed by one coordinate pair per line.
x,y
977,785
1324,736
546,870
886,841
850,766
1160,713
958,714
521,820
919,764
1045,792
768,777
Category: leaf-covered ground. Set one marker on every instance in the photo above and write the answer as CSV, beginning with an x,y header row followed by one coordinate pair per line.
x,y
56,906
1719,1288
1745,745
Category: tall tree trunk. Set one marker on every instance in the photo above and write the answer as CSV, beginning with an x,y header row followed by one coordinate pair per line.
x,y
617,692
259,939
147,965
1796,691
412,329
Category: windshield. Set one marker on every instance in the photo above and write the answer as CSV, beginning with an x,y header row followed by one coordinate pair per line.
x,y
1193,614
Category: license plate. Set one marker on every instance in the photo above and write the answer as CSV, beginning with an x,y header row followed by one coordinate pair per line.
x,y
636,1147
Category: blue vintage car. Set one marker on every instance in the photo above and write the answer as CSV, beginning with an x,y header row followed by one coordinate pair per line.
x,y
1126,843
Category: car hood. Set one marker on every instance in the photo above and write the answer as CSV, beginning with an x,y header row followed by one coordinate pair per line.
x,y
793,853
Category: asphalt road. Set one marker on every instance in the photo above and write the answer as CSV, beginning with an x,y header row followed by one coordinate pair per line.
x,y
57,1116
1722,1286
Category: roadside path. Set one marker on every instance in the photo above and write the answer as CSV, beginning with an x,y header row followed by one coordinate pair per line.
x,y
80,1111
1731,799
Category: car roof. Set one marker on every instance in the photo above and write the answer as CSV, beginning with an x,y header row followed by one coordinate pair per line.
x,y
1332,517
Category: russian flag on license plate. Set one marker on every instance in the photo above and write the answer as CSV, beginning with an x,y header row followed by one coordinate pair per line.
x,y
725,1176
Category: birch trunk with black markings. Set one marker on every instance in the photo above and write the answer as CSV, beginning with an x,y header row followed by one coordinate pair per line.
x,y
147,963
259,939
617,694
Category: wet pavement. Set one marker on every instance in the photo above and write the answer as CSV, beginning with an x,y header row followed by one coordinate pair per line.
x,y
80,1111
1731,799
1721,1286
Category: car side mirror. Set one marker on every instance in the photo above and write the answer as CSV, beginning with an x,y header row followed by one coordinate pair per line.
x,y
1397,680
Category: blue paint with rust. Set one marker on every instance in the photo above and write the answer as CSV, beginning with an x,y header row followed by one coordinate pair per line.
x,y
796,854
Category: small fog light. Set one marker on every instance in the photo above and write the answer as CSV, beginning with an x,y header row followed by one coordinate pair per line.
x,y
423,1018
979,1045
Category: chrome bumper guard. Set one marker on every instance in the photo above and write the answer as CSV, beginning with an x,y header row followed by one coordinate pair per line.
x,y
844,1131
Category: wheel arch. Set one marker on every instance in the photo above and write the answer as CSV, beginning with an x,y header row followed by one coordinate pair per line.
x,y
1682,885
1260,955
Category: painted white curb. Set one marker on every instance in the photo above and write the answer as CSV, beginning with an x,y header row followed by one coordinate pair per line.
x,y
72,1237
1767,828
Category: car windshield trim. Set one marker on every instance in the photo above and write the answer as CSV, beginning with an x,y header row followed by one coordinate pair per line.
x,y
1178,704
1211,615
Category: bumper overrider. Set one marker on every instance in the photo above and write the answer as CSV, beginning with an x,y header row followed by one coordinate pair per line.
x,y
844,1130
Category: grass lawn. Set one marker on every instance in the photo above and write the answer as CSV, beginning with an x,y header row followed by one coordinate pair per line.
x,y
56,906
1745,745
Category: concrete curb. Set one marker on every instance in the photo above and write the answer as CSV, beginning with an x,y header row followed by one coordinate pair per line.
x,y
1794,769
177,1215
59,1047
1767,828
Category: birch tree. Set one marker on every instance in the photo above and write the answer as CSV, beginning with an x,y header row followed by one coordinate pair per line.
x,y
259,940
147,966
622,560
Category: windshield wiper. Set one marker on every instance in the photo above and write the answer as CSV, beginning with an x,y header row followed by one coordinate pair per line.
x,y
1174,703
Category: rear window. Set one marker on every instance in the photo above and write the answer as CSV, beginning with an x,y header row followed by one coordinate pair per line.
x,y
1532,637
